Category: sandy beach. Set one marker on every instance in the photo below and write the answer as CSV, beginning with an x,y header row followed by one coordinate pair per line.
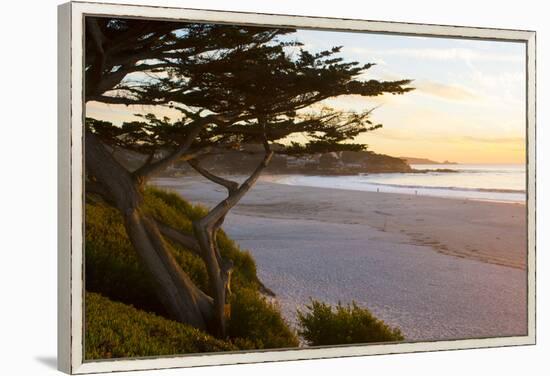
x,y
438,268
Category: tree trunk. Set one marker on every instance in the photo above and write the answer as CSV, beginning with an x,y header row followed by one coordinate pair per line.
x,y
206,230
219,272
182,298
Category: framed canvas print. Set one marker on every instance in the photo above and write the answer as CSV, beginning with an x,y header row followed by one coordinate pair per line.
x,y
238,187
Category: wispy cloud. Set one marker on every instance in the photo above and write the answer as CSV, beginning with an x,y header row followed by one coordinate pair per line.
x,y
408,136
495,140
442,54
445,91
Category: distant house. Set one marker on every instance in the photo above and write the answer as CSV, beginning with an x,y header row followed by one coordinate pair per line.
x,y
312,165
330,160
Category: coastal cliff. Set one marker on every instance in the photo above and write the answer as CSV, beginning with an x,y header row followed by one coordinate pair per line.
x,y
334,163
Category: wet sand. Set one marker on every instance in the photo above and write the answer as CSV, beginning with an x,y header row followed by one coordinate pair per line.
x,y
438,268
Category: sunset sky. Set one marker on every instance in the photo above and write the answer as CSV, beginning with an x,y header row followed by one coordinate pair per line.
x,y
468,106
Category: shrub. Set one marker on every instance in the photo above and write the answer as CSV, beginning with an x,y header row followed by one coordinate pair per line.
x,y
257,323
115,330
323,325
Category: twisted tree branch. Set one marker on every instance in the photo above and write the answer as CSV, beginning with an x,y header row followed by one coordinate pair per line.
x,y
185,240
231,186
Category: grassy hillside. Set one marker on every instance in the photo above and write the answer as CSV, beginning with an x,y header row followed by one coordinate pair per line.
x,y
117,330
114,271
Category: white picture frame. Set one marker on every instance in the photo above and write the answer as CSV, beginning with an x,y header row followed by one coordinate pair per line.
x,y
70,184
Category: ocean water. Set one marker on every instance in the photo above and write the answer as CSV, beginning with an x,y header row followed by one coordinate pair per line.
x,y
487,182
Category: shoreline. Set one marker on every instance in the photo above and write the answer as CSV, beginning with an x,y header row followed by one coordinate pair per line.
x,y
452,193
437,268
487,231
278,179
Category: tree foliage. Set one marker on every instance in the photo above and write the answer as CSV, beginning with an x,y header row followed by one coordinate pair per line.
x,y
264,85
120,50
